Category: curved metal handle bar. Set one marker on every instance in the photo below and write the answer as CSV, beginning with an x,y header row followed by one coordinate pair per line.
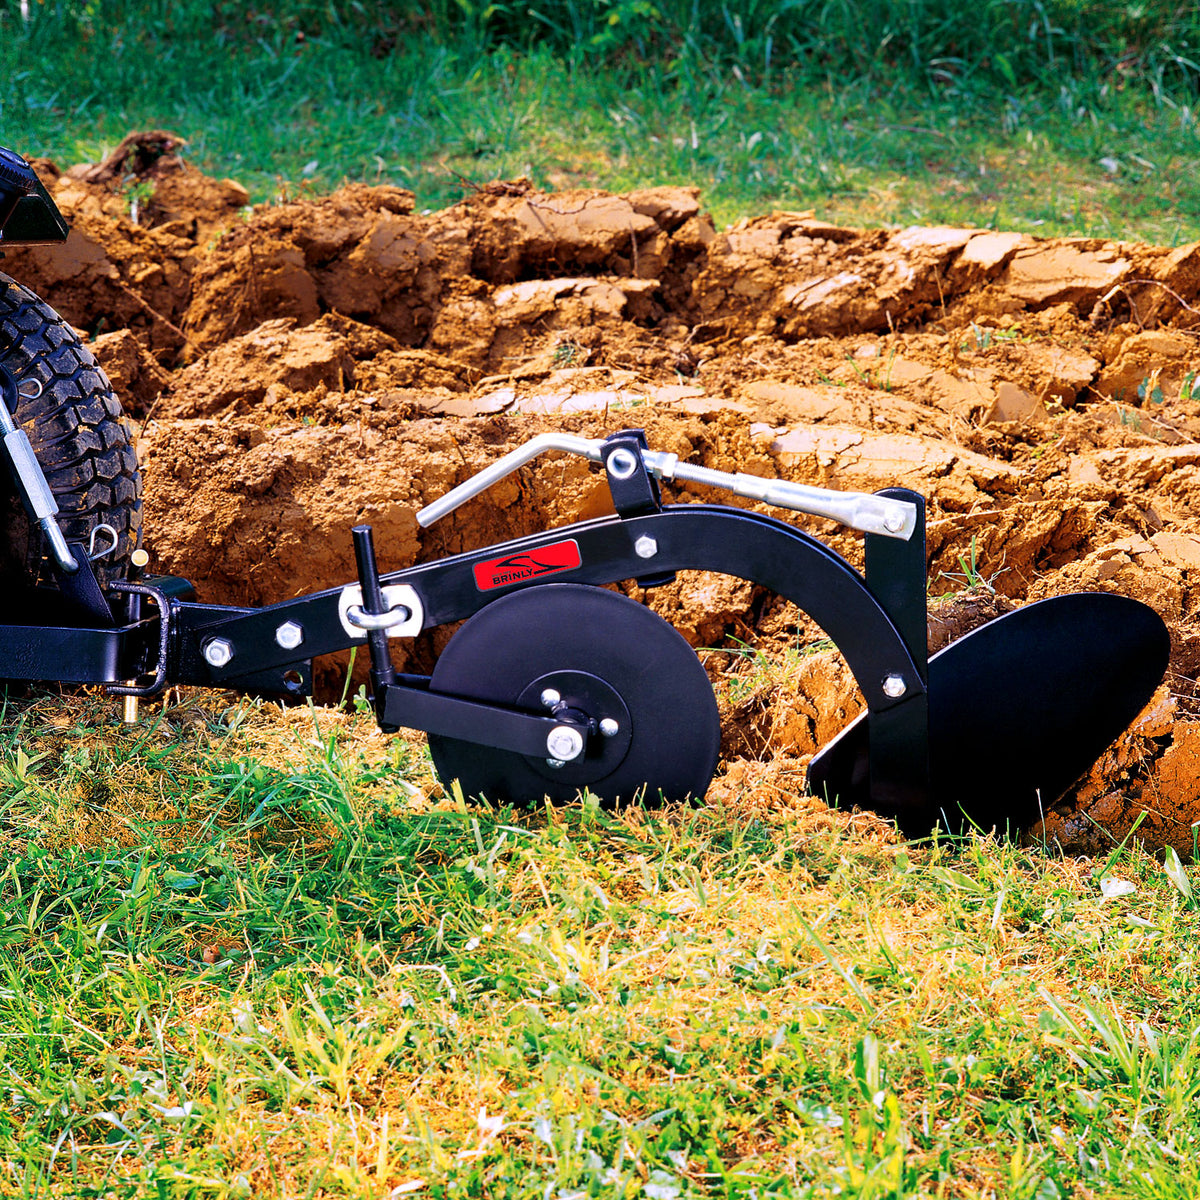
x,y
859,510
512,461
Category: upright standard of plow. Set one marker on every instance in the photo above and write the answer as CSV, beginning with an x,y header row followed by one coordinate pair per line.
x,y
555,684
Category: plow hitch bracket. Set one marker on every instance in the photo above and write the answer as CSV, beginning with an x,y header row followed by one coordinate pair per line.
x,y
859,510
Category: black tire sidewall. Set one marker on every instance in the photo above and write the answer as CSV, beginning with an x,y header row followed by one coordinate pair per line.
x,y
81,439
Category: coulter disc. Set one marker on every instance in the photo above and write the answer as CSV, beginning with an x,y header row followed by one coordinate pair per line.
x,y
609,658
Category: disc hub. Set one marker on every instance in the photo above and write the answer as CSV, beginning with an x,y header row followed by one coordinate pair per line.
x,y
583,697
593,658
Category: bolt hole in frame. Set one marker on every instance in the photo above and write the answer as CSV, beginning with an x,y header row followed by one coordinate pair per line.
x,y
293,680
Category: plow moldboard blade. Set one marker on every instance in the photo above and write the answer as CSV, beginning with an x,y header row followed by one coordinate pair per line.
x,y
1019,709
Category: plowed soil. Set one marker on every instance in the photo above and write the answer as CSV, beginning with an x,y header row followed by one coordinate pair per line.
x,y
301,368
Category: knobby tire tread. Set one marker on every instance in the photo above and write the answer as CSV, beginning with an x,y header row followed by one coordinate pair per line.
x,y
81,439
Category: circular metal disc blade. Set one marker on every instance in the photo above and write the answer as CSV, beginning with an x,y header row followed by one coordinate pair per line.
x,y
1019,709
608,657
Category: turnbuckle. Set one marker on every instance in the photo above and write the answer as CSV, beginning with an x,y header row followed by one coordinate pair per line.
x,y
866,511
27,474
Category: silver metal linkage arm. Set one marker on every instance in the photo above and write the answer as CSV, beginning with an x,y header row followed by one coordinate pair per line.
x,y
858,510
36,491
484,479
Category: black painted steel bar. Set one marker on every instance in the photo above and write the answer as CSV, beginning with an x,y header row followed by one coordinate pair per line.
x,y
382,671
472,721
898,741
689,536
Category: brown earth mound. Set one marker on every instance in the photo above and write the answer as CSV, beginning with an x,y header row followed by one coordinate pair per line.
x,y
300,368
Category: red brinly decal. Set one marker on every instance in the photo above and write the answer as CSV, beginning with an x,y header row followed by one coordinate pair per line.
x,y
516,568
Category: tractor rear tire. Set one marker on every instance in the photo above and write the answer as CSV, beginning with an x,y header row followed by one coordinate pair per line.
x,y
82,442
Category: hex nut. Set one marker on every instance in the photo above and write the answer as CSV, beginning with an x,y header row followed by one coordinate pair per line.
x,y
218,652
894,686
289,635
645,547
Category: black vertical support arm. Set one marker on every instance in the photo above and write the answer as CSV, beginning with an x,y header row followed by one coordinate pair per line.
x,y
895,572
898,738
383,674
634,490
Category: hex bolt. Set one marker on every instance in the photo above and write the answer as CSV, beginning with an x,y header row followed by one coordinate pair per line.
x,y
550,698
645,547
564,743
289,635
894,686
609,727
218,651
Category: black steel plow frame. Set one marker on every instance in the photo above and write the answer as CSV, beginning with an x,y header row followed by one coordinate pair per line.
x,y
876,619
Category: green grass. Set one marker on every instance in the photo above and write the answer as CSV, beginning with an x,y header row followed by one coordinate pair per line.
x,y
424,997
1082,144
246,953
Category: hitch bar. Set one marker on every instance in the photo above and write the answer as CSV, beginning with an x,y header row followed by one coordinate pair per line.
x,y
859,510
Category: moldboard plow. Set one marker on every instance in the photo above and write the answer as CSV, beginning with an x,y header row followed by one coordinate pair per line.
x,y
556,684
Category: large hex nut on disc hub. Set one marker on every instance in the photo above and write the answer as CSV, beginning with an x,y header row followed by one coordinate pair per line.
x,y
587,697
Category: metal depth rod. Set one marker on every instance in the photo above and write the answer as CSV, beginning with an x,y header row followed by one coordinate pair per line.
x,y
383,673
859,510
